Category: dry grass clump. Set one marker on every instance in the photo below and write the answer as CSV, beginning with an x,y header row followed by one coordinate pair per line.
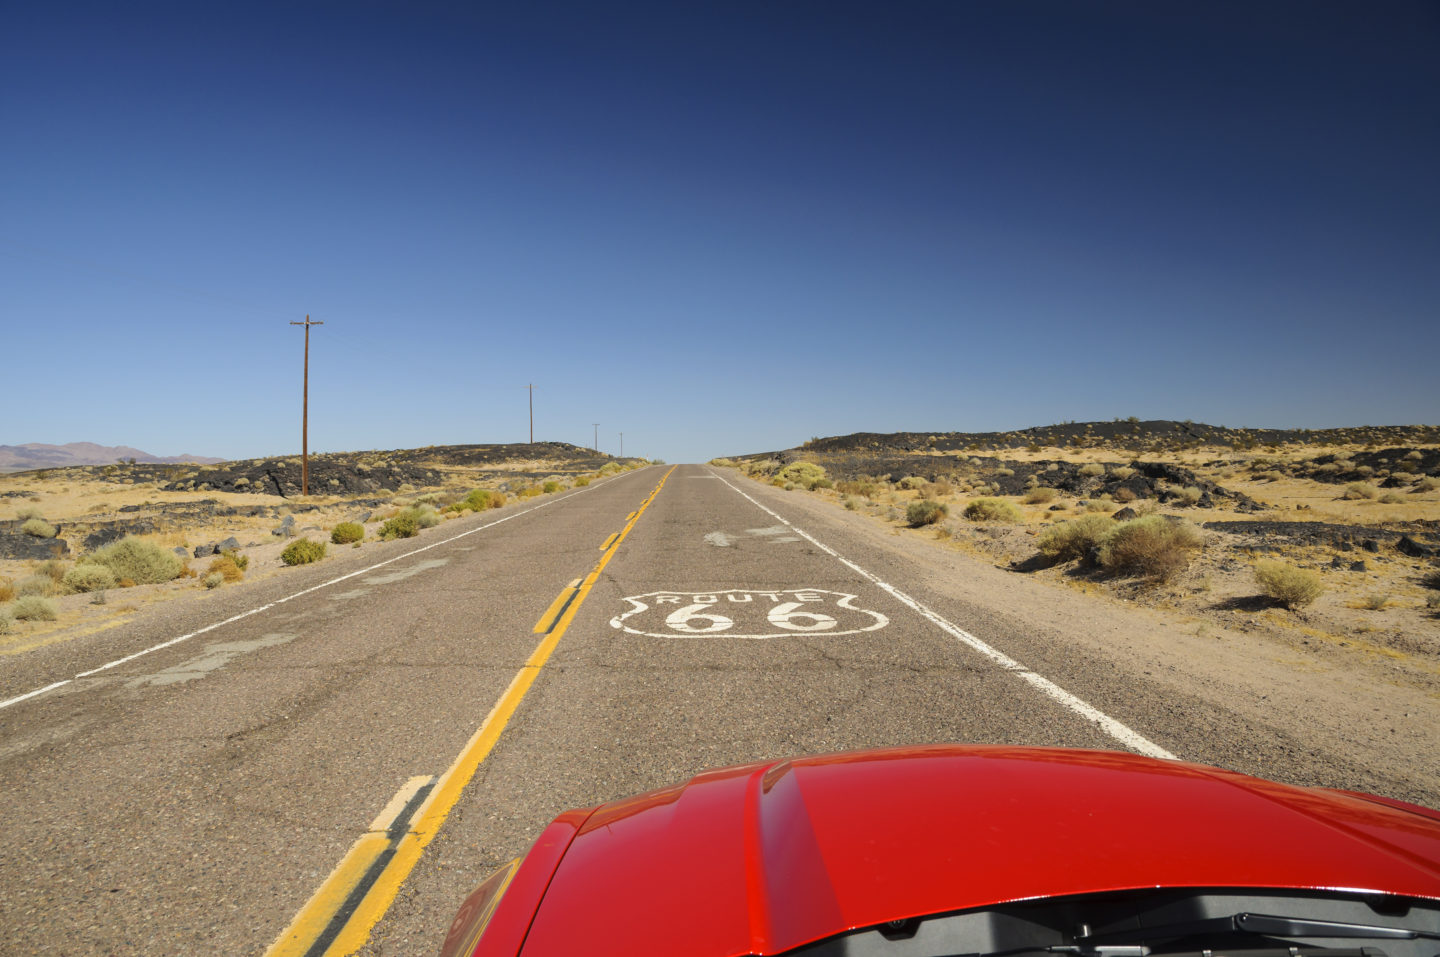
x,y
1359,490
213,580
7,621
137,561
551,487
347,533
34,608
227,568
1075,539
911,483
38,527
863,487
87,577
7,589
806,475
1122,473
993,510
302,551
925,512
1151,546
1291,586
1427,484
42,585
1189,495
1092,469
1040,496
1374,602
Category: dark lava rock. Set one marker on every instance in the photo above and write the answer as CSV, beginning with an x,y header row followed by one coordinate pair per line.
x,y
229,545
1413,548
180,550
15,544
1057,508
286,528
1125,514
1370,545
1358,566
204,551
1338,562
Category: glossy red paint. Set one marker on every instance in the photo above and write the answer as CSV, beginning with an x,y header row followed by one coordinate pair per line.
x,y
764,858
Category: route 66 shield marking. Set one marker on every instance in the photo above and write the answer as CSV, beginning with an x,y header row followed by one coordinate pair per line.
x,y
747,613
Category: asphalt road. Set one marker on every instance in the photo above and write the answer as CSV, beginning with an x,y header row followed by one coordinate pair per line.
x,y
193,799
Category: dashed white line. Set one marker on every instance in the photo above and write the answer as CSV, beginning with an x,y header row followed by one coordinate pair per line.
x,y
280,601
1115,729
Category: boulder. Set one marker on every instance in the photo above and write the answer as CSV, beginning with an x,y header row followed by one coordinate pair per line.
x,y
204,551
1125,514
16,545
1413,548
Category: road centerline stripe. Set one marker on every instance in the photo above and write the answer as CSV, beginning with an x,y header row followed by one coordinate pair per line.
x,y
335,924
1120,732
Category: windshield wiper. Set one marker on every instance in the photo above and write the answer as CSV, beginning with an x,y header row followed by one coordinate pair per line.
x,y
1262,924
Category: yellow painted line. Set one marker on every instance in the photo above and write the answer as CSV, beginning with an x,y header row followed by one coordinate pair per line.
x,y
611,540
630,516
547,620
317,914
397,804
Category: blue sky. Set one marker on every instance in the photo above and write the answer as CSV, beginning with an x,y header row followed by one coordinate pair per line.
x,y
719,228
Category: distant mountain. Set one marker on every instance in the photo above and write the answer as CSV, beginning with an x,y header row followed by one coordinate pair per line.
x,y
37,455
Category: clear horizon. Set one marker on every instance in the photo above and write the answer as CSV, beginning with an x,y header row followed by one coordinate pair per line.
x,y
718,229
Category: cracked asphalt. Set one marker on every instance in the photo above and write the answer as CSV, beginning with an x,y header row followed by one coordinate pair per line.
x,y
191,800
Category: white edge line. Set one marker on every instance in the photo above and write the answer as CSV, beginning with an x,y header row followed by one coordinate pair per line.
x,y
279,601
1120,732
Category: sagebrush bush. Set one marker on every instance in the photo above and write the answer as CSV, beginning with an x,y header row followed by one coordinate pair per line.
x,y
803,474
38,527
242,562
1375,602
1097,505
302,551
1122,473
137,561
1359,490
89,577
993,510
35,585
426,516
214,580
582,481
1151,546
1040,495
925,512
402,525
53,567
34,608
1189,495
1092,469
7,589
863,487
1293,587
347,532
225,567
27,512
551,487
7,621
1391,498
1074,539
1427,484
1123,495
722,462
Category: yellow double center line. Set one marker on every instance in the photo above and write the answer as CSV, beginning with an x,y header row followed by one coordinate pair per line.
x,y
339,916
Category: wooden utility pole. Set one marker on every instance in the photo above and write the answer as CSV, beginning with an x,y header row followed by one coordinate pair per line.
x,y
305,411
597,435
531,387
622,445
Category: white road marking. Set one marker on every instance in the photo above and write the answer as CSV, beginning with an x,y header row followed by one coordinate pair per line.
x,y
280,601
400,574
1120,732
718,539
759,613
217,654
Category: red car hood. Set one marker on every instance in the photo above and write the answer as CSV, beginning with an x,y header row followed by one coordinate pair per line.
x,y
760,859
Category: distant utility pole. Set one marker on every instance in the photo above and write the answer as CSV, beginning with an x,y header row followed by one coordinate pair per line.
x,y
305,411
597,435
622,445
531,387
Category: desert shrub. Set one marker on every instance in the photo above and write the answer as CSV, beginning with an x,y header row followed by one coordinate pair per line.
x,y
242,562
582,481
1287,584
1359,490
1122,473
823,483
1375,602
803,474
551,487
347,532
1097,505
7,589
1427,484
403,525
214,580
302,551
992,510
34,608
53,567
1123,495
35,585
1405,477
1391,498
1040,495
611,468
722,462
38,527
1092,469
863,487
1189,495
1413,455
7,621
1005,472
138,561
225,567
497,499
1271,475
1151,546
88,577
851,503
426,516
1431,579
925,512
1074,539
529,491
